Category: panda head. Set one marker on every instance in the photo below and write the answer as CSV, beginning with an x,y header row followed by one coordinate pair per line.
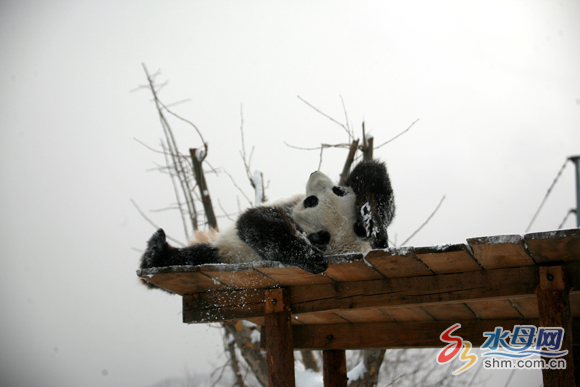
x,y
356,215
332,208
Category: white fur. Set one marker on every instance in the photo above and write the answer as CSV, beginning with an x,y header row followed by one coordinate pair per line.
x,y
335,214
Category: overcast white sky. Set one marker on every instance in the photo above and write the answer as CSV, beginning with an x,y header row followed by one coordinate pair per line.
x,y
495,85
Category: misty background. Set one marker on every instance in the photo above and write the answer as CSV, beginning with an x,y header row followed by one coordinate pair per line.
x,y
495,86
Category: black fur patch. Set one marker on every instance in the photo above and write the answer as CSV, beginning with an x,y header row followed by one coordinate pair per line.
x,y
310,202
160,254
321,239
339,191
272,233
374,201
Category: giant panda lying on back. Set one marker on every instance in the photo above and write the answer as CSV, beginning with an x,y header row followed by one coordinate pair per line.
x,y
328,220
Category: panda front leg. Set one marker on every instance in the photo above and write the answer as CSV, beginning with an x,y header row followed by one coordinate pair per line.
x,y
160,254
272,233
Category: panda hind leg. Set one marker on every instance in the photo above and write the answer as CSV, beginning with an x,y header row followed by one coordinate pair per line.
x,y
160,254
272,233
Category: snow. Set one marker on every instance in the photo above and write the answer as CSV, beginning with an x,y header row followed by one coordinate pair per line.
x,y
258,186
200,154
255,336
357,372
309,378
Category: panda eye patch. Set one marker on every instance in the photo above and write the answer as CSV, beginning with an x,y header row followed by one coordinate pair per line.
x,y
339,191
310,201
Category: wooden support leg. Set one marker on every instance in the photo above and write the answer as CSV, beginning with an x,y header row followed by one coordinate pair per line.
x,y
334,368
279,347
553,295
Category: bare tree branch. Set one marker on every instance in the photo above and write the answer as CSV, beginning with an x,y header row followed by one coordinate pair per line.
x,y
349,130
348,162
424,223
345,127
252,177
153,223
398,135
238,187
173,150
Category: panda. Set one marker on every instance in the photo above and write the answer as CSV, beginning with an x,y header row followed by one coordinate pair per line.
x,y
329,219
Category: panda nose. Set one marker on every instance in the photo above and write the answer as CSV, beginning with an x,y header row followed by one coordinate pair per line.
x,y
310,201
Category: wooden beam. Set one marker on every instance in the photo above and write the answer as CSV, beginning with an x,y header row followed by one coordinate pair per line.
x,y
391,292
334,369
554,309
482,284
279,345
394,335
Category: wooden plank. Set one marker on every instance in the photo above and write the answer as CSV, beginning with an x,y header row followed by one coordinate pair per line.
x,y
393,334
398,262
334,368
180,279
363,315
293,276
554,246
482,284
193,314
445,312
320,318
494,309
401,314
554,308
351,267
279,344
447,258
227,298
526,306
242,278
495,252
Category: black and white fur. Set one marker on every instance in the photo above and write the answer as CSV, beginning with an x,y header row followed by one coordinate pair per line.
x,y
328,220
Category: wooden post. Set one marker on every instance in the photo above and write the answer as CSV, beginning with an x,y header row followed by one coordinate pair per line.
x,y
553,295
334,368
203,189
279,347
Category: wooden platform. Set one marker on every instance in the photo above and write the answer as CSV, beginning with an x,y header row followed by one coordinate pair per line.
x,y
404,296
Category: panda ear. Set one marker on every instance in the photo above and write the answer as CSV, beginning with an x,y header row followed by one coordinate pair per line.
x,y
375,206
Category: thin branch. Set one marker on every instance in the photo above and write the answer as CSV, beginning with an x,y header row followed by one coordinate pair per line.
x,y
184,120
326,115
178,102
318,147
570,211
153,223
238,187
320,160
174,174
424,223
226,215
398,135
547,194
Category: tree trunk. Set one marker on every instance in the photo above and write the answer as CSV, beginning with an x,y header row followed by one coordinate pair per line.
x,y
372,359
242,333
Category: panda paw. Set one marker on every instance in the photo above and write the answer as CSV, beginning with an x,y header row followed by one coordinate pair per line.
x,y
320,240
314,263
157,249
